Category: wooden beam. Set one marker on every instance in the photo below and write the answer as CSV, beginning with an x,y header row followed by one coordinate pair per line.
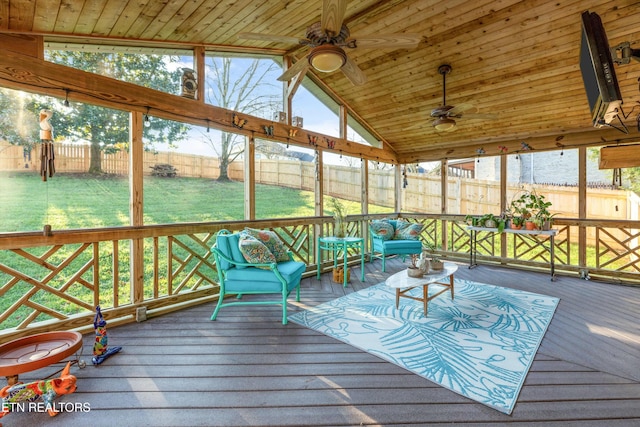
x,y
22,72
584,138
621,156
23,44
94,39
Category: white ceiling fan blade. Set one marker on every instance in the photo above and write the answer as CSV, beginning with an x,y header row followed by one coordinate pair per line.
x,y
269,38
391,41
354,73
299,67
332,15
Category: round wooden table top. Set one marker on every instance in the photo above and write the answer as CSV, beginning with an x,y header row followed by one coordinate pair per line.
x,y
37,351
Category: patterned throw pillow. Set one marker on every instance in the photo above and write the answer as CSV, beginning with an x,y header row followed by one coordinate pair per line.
x,y
271,241
407,231
254,251
382,228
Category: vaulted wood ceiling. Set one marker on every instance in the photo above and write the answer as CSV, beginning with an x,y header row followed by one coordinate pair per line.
x,y
515,59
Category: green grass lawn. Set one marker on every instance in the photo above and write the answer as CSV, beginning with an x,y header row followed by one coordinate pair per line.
x,y
70,201
76,201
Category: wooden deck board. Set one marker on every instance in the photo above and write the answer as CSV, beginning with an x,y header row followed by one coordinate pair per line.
x,y
246,368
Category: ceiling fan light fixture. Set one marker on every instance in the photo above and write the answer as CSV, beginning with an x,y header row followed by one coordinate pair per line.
x,y
443,123
327,58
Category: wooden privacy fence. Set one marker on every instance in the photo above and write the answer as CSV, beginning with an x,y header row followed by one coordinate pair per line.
x,y
421,195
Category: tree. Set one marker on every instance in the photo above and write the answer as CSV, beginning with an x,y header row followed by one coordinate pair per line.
x,y
106,129
18,125
242,85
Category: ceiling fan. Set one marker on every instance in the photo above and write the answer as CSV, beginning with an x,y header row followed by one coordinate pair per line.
x,y
445,114
328,40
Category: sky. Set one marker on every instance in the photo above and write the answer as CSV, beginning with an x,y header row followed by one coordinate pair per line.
x,y
316,117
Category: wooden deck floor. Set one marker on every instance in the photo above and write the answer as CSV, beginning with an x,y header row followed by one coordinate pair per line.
x,y
246,368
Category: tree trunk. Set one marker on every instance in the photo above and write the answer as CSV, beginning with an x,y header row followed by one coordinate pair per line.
x,y
95,164
224,169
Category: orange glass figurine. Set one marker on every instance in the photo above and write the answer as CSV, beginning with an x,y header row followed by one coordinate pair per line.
x,y
47,390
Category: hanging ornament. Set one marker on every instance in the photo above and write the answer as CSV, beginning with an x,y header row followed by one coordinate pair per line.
x,y
525,146
47,155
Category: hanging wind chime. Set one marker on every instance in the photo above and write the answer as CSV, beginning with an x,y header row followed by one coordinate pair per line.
x,y
47,155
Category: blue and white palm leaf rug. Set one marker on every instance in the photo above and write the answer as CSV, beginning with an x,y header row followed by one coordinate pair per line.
x,y
480,345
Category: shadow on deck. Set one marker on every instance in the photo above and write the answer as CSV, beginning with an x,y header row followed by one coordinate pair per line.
x,y
246,368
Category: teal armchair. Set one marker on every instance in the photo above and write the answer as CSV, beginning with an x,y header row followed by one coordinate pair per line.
x,y
239,277
385,240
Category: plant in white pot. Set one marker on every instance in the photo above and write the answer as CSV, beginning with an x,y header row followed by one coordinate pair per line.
x,y
435,261
415,269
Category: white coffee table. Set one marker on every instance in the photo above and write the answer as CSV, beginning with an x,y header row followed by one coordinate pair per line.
x,y
402,283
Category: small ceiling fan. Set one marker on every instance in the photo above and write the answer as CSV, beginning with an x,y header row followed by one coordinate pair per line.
x,y
445,114
328,40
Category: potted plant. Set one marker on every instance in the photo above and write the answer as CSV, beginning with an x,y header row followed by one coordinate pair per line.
x,y
544,220
521,206
471,220
414,270
492,221
435,261
534,208
339,217
517,222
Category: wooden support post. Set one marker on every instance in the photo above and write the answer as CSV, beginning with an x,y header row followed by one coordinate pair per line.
x,y
319,202
444,201
364,187
136,212
582,206
398,188
199,56
503,202
250,178
364,202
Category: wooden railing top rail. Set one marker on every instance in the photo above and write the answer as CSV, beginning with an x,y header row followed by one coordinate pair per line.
x,y
19,240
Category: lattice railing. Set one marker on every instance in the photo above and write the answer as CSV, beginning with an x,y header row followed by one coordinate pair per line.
x,y
55,282
57,286
617,248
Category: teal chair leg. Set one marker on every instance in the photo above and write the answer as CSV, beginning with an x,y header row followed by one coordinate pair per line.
x,y
284,308
215,312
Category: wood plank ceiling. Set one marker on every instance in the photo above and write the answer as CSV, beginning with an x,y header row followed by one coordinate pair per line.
x,y
515,59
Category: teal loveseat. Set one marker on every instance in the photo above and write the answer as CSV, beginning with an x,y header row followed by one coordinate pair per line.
x,y
394,237
238,276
